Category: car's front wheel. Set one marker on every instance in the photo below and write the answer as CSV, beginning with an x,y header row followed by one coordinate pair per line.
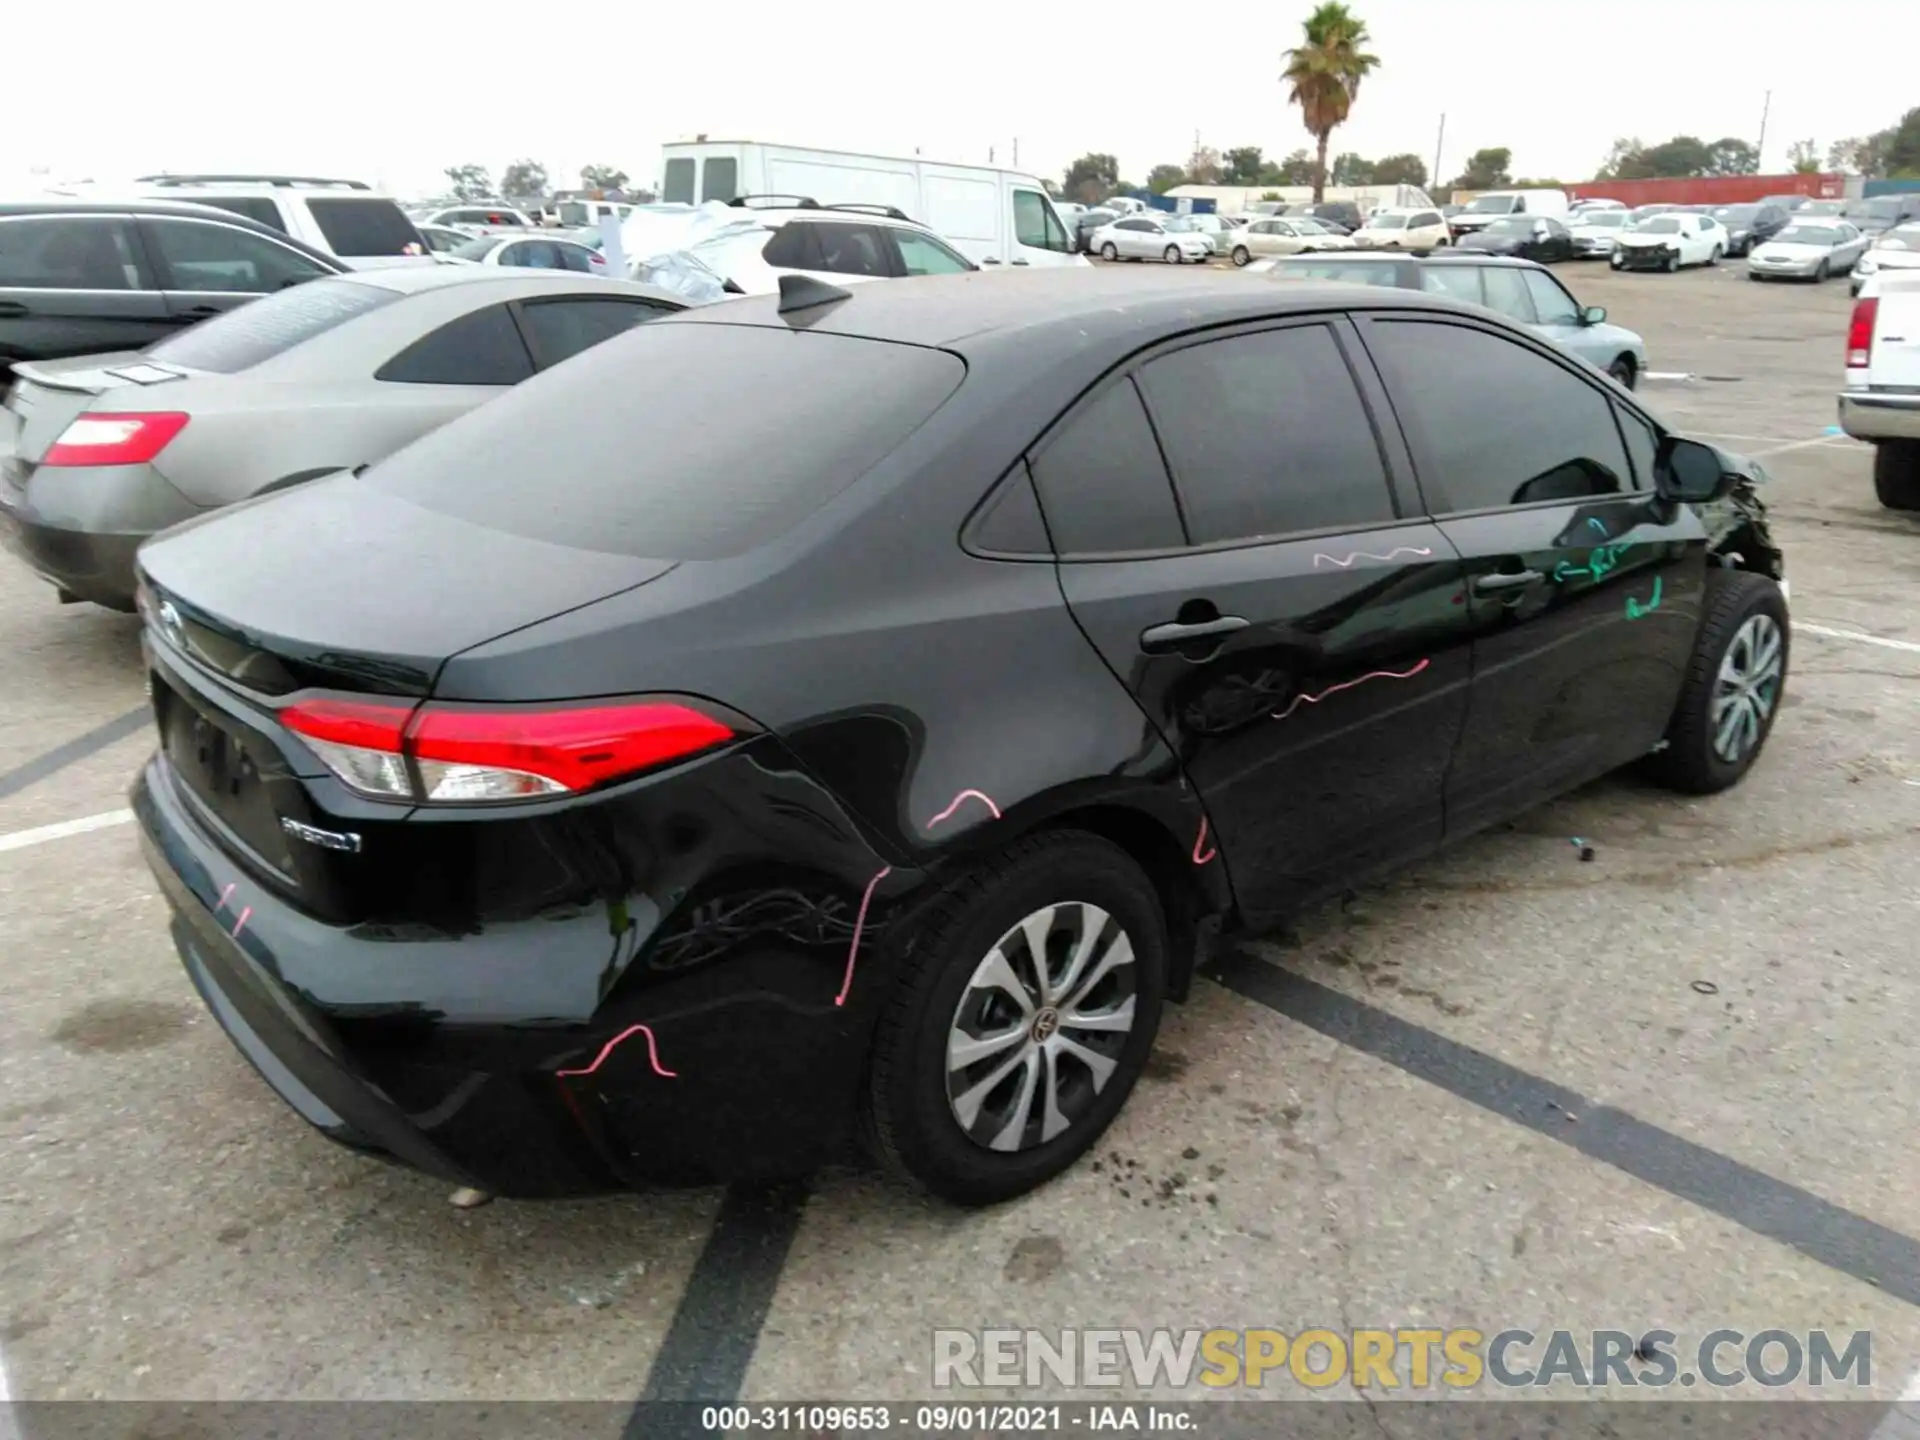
x,y
1109,251
1896,474
1733,685
1023,1013
1616,261
1820,273
1171,255
1623,370
1713,258
1241,255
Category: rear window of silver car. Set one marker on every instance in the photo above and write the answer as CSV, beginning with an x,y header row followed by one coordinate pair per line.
x,y
654,475
270,326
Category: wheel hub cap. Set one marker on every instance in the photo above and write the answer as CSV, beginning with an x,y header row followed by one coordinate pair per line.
x,y
1747,687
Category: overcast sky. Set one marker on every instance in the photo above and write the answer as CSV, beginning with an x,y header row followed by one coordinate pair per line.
x,y
394,92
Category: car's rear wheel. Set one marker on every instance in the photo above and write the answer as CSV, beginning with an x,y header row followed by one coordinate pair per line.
x,y
1624,371
1109,251
1024,1011
1241,255
1896,474
1733,686
1171,255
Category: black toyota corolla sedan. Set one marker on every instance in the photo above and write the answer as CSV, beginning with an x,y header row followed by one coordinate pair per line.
x,y
835,723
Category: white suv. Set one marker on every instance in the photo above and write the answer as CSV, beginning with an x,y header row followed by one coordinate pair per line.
x,y
344,218
836,243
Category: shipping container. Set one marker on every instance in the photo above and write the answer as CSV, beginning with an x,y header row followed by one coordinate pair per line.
x,y
1889,187
1710,189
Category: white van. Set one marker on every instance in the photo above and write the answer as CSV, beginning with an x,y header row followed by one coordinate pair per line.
x,y
1491,205
585,214
993,217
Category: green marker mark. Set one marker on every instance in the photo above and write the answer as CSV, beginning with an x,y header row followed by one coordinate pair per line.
x,y
1635,609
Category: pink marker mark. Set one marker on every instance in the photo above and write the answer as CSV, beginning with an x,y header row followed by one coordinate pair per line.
x,y
1198,841
1300,700
225,895
1369,555
653,1054
947,813
238,924
859,925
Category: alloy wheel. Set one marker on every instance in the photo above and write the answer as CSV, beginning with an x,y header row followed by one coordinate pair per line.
x,y
1746,688
1040,1027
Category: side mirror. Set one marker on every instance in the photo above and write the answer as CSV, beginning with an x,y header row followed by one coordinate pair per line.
x,y
1690,473
1594,315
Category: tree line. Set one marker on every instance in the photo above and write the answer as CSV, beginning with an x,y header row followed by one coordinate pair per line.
x,y
528,178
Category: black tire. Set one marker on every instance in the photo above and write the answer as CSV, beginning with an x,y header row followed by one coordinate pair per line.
x,y
1755,276
1690,761
1109,251
1615,262
910,1118
1624,370
1896,474
1714,258
1241,255
1673,263
1820,273
1172,255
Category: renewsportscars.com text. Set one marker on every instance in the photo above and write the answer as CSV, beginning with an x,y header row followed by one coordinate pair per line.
x,y
1411,1359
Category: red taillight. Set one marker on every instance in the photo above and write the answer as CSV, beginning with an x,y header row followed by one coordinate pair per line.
x,y
1860,333
495,752
115,439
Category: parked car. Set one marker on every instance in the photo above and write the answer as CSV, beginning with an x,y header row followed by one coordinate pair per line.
x,y
1748,226
1667,241
585,214
1518,289
1594,231
1895,249
796,867
1190,225
1808,250
1584,207
1340,215
1483,210
1789,203
1217,228
1881,212
1530,237
100,452
1397,228
1881,402
534,252
442,239
1146,237
1089,221
82,276
346,219
484,219
841,244
1268,237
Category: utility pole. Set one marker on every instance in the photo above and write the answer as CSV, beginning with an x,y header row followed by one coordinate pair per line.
x,y
1439,141
1760,150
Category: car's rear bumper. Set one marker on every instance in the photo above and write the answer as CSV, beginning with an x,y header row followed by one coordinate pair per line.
x,y
511,1059
1870,415
78,528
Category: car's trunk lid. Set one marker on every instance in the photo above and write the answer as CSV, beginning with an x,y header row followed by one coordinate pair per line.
x,y
48,395
383,593
1894,361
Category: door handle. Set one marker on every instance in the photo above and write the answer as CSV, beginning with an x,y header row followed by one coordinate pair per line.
x,y
199,312
1021,262
1172,635
1493,584
991,260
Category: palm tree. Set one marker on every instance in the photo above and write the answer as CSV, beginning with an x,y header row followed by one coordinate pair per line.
x,y
1324,74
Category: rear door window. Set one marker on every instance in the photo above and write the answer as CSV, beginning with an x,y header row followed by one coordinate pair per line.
x,y
853,250
357,227
258,208
483,348
720,180
1456,282
575,257
70,252
560,329
205,256
676,186
1102,482
261,329
1507,293
1266,435
924,255
653,476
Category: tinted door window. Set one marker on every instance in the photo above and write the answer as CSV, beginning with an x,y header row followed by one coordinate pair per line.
x,y
923,255
200,255
1102,482
792,247
1507,293
535,255
483,348
721,179
364,227
1553,305
1266,435
1493,422
559,328
1643,445
69,252
575,257
852,250
258,208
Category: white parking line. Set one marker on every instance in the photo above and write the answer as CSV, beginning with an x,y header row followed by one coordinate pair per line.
x,y
22,839
1811,629
8,1430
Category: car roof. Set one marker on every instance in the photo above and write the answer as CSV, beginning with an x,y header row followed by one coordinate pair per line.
x,y
59,205
1375,257
774,216
1077,305
416,279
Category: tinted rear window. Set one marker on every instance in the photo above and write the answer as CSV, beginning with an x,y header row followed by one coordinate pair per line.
x,y
261,329
363,227
254,207
657,475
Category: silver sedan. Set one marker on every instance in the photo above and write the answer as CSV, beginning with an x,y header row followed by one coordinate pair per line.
x,y
1808,250
532,252
1145,237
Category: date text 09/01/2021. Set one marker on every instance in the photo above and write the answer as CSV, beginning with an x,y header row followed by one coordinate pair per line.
x,y
964,1419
